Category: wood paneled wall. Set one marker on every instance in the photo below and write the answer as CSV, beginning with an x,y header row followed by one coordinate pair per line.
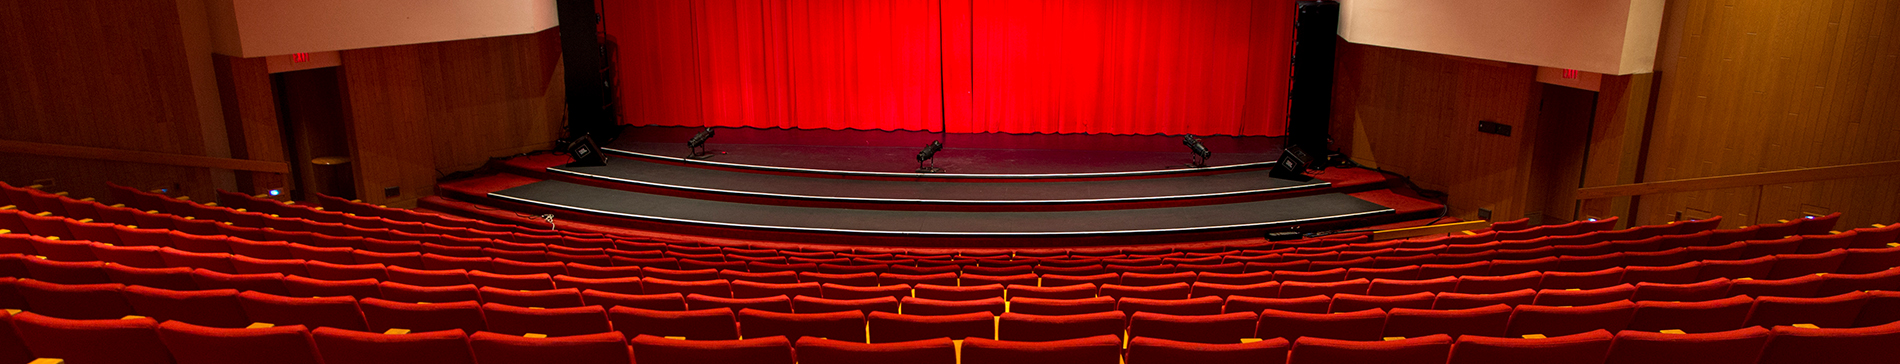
x,y
1756,86
418,112
1417,114
96,73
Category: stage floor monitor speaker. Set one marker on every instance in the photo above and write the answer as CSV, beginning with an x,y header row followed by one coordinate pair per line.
x,y
1293,164
585,153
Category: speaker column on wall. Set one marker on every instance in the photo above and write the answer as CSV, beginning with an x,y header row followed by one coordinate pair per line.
x,y
1310,105
583,58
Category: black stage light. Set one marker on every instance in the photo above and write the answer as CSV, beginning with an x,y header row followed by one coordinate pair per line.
x,y
698,143
1200,151
585,153
1293,164
929,155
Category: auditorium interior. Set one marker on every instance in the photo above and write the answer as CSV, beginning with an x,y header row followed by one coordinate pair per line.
x,y
949,181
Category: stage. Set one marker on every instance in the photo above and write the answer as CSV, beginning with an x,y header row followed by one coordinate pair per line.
x,y
832,186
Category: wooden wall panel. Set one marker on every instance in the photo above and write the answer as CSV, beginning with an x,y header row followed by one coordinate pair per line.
x,y
97,73
250,118
418,112
1417,114
1756,86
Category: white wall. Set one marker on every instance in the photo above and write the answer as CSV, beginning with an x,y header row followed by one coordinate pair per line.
x,y
255,28
1604,36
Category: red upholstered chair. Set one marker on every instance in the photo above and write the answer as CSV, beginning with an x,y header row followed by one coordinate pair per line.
x,y
812,350
1361,325
1582,348
1866,260
845,326
1235,278
803,304
1025,327
1725,251
1073,291
1303,289
1882,308
1699,291
781,304
1818,243
602,348
548,298
1659,258
1432,349
1458,301
1491,320
714,287
193,344
941,279
658,301
1395,287
432,347
1042,306
708,324
515,281
1262,289
679,275
748,289
925,306
1154,279
178,278
330,271
1742,346
66,272
1102,349
131,256
1010,280
1796,265
1692,317
338,312
1584,297
1499,284
1191,306
129,341
865,279
409,293
1347,302
957,293
1875,237
1567,320
299,286
1759,267
516,320
1827,312
1148,350
435,277
461,315
886,327
75,301
1313,276
1209,329
272,283
1308,304
1582,280
1799,286
1683,273
214,308
1056,279
1865,345
850,292
1478,267
1163,292
1817,225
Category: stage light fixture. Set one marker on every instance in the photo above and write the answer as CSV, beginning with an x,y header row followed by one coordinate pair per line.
x,y
1200,151
585,153
929,154
697,145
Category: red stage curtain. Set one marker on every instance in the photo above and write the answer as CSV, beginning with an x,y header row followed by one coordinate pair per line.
x,y
1016,66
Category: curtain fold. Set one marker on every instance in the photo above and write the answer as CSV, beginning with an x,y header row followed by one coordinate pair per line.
x,y
1014,66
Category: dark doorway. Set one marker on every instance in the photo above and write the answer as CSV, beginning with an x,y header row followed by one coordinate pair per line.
x,y
1563,140
310,105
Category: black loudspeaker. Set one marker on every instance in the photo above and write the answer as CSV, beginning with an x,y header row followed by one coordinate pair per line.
x,y
1315,34
584,61
585,153
1293,164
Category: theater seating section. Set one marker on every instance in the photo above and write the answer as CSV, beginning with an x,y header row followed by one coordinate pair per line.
x,y
171,280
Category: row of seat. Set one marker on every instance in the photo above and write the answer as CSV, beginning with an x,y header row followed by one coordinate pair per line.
x,y
144,340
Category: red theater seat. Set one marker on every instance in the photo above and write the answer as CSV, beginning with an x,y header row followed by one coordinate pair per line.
x,y
1147,350
536,281
925,306
1103,349
775,303
1262,289
1582,348
1491,320
844,326
1582,280
660,301
1042,306
1568,320
813,350
129,341
75,301
384,315
886,327
299,286
1308,304
1799,286
1072,291
547,298
802,304
338,312
748,289
708,324
192,344
1209,329
433,347
1827,312
603,348
408,293
1699,291
214,308
850,292
1395,287
1025,327
1192,306
1584,297
1432,349
1692,317
1865,345
1361,325
956,293
1303,289
1743,346
167,278
1457,301
1499,284
1347,302
516,320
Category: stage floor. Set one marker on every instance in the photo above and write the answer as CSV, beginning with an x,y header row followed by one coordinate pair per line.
x,y
641,206
895,152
